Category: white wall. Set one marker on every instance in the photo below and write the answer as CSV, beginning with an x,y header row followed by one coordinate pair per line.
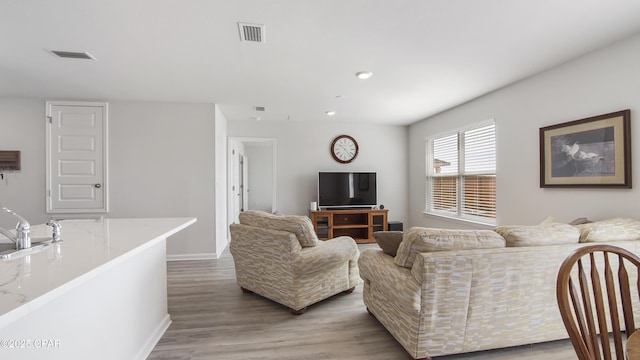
x,y
162,160
22,127
303,150
221,238
161,164
604,81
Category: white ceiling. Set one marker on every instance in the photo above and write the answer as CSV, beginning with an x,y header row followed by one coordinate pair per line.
x,y
426,55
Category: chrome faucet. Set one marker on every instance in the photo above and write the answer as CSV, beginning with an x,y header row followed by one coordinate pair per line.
x,y
22,237
8,234
56,230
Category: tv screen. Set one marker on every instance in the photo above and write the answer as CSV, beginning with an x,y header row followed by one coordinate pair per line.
x,y
347,189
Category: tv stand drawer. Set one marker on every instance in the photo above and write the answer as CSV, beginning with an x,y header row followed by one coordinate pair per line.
x,y
350,219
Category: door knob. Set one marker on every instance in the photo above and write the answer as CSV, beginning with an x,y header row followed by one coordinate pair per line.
x,y
97,186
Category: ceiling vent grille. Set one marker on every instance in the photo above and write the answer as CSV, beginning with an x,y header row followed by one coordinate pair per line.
x,y
253,33
259,108
72,55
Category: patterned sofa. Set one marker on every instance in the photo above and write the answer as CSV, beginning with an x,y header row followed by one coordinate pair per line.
x,y
455,291
281,258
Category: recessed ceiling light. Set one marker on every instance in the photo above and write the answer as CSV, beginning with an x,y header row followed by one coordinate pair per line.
x,y
330,112
364,74
256,118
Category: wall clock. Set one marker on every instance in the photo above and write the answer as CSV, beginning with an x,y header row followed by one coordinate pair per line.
x,y
344,149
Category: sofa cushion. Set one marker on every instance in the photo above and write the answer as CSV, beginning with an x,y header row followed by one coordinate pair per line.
x,y
301,226
388,241
580,221
614,229
419,239
548,232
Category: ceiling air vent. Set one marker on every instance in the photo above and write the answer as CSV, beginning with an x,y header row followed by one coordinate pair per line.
x,y
253,33
72,55
259,108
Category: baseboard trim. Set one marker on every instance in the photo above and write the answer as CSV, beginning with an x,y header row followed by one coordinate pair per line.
x,y
186,257
155,337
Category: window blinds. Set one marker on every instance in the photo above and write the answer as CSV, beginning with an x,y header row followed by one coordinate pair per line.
x,y
462,178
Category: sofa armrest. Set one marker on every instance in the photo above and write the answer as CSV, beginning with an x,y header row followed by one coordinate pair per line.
x,y
326,253
392,282
262,241
445,281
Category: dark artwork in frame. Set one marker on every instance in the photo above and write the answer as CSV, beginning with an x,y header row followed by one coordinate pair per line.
x,y
591,152
585,153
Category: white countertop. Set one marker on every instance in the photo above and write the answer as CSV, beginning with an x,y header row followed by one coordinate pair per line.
x,y
88,247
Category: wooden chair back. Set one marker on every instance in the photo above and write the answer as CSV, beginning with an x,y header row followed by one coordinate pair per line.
x,y
594,289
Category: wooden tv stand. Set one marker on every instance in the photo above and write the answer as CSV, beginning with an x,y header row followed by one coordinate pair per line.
x,y
360,224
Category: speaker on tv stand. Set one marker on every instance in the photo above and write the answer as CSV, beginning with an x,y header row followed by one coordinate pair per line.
x,y
394,226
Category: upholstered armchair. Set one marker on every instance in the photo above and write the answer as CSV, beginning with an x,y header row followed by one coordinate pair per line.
x,y
280,257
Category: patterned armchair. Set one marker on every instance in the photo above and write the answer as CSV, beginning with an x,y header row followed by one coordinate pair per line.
x,y
280,258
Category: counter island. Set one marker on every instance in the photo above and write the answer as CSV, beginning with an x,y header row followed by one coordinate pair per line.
x,y
99,294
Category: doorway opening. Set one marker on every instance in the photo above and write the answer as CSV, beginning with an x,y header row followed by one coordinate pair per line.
x,y
251,175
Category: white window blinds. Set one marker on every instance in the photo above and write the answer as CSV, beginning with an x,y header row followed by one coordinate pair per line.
x,y
461,176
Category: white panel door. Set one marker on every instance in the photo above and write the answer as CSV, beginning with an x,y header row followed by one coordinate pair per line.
x,y
244,162
76,157
236,185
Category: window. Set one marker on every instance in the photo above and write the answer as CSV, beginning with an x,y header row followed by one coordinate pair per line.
x,y
461,174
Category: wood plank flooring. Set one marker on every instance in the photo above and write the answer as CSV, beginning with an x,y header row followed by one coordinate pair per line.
x,y
213,319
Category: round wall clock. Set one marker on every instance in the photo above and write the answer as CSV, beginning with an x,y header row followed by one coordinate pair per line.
x,y
344,149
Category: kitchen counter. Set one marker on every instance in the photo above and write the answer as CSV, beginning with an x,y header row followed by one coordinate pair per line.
x,y
103,287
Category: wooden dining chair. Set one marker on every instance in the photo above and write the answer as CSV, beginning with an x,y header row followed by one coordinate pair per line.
x,y
595,289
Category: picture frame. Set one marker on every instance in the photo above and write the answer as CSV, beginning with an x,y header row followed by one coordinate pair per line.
x,y
591,152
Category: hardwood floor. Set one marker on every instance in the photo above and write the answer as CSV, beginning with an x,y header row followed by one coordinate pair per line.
x,y
213,319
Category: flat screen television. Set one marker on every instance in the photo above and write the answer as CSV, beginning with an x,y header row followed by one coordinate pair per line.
x,y
347,189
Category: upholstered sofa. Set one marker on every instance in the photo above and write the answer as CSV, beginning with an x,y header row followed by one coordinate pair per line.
x,y
455,291
280,257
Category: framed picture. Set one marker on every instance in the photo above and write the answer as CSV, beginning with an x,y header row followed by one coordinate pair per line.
x,y
591,152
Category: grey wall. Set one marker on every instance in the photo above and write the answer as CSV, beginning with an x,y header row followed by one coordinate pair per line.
x,y
161,164
220,220
602,82
302,151
22,127
168,159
